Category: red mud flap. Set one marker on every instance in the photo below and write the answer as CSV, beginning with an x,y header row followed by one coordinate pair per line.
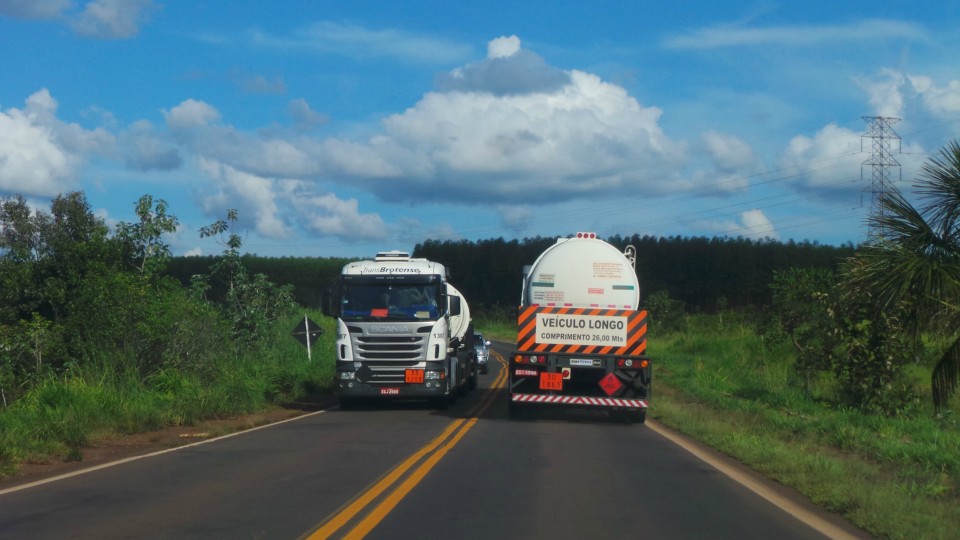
x,y
580,400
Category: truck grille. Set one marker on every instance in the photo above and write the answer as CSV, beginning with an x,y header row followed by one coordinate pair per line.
x,y
390,348
387,356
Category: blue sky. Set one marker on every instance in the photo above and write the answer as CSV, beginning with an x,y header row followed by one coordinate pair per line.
x,y
345,128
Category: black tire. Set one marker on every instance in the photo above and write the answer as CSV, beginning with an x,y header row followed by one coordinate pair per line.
x,y
347,403
465,386
629,417
515,410
440,403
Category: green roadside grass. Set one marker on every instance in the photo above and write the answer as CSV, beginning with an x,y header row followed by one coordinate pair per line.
x,y
719,383
65,413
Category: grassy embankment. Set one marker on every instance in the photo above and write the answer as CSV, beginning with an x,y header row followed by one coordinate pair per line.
x,y
895,477
62,414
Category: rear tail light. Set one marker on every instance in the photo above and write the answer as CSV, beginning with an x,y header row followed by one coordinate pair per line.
x,y
529,359
631,363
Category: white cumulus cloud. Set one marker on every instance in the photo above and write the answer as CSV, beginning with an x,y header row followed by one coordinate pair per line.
x,y
99,19
937,99
328,215
885,92
503,46
39,154
34,9
751,224
144,148
191,113
112,19
828,161
254,198
757,225
506,128
586,137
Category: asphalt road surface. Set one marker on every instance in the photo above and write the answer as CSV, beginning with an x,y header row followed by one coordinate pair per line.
x,y
406,470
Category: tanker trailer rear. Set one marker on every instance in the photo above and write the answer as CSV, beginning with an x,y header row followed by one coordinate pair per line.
x,y
581,339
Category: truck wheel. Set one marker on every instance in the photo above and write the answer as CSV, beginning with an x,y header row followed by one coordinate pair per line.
x,y
440,403
469,383
515,410
347,404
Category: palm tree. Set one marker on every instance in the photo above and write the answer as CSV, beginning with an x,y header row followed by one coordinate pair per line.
x,y
914,265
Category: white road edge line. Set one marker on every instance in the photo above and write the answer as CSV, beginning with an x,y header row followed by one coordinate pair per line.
x,y
152,454
816,522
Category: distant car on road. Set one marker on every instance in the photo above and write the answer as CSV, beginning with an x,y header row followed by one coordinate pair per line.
x,y
483,353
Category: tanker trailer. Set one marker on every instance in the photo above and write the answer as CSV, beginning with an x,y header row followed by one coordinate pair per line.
x,y
581,339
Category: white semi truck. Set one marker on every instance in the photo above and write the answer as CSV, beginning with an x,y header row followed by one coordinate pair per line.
x,y
581,339
403,331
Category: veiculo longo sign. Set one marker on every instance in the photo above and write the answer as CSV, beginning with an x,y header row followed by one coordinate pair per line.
x,y
566,329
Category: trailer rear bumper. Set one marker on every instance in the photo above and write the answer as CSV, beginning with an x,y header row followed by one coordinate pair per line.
x,y
585,401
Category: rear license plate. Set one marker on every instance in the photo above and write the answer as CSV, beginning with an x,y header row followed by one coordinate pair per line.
x,y
588,362
413,376
389,391
551,381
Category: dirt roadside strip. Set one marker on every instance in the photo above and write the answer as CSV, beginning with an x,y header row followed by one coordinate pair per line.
x,y
127,446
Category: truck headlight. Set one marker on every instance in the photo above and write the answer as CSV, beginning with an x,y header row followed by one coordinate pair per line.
x,y
348,375
431,375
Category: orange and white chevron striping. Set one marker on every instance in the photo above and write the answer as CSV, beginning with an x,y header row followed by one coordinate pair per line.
x,y
636,325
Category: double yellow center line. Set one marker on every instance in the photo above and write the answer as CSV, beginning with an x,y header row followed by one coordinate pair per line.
x,y
397,483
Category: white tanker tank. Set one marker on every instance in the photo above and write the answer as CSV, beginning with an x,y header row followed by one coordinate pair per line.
x,y
460,322
582,271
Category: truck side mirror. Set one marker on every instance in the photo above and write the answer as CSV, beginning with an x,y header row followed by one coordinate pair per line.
x,y
454,305
330,301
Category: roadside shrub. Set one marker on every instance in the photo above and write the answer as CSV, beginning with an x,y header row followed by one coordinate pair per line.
x,y
666,314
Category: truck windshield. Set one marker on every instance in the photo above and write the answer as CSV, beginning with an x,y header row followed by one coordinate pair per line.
x,y
394,301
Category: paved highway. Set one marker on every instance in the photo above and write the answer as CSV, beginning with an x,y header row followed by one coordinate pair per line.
x,y
409,471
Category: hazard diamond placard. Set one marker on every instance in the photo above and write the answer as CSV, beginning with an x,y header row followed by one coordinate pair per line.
x,y
610,384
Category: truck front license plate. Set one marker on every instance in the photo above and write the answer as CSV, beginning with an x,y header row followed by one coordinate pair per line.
x,y
551,381
389,391
413,376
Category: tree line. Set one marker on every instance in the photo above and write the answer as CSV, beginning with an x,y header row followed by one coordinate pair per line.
x,y
705,274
